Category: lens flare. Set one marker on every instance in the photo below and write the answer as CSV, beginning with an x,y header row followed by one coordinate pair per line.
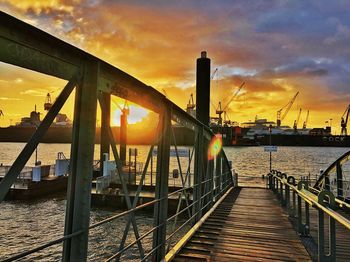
x,y
214,147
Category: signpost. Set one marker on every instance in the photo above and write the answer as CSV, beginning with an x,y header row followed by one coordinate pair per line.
x,y
270,148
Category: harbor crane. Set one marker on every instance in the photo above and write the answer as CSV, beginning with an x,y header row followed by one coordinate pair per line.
x,y
48,102
219,110
190,109
307,119
125,109
214,73
344,122
296,122
287,107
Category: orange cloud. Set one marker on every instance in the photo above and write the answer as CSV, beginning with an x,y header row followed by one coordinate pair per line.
x,y
159,45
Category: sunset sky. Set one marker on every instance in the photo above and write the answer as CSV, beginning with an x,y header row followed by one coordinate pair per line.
x,y
276,47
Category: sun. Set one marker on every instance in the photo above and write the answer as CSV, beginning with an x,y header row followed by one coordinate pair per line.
x,y
136,114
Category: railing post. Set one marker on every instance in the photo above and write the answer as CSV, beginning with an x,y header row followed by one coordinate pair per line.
x,y
211,183
303,229
218,175
287,198
300,217
161,188
198,177
307,219
339,181
326,198
82,153
294,204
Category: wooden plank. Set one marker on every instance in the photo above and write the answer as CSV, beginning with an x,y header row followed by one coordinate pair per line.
x,y
254,228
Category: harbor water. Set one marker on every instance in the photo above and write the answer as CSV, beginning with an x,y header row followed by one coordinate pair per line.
x,y
25,224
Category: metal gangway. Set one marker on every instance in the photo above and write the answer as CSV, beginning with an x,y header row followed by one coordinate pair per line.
x,y
214,218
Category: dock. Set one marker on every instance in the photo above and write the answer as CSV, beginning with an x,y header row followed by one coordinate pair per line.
x,y
250,228
215,219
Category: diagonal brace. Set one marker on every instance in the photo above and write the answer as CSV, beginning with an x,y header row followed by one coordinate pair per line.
x,y
29,148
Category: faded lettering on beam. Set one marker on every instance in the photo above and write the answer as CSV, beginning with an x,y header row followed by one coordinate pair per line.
x,y
30,58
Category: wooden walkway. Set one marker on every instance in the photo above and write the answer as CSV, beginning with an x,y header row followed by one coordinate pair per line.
x,y
250,227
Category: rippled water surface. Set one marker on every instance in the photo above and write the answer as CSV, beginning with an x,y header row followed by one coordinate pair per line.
x,y
25,224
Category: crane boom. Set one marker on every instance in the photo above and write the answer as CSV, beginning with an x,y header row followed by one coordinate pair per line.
x,y
214,73
233,97
287,108
344,121
307,119
125,109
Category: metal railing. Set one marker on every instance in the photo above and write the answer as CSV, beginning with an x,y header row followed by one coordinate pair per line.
x,y
336,178
94,82
298,197
218,195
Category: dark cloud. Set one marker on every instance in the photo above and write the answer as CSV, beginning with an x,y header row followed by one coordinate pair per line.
x,y
277,47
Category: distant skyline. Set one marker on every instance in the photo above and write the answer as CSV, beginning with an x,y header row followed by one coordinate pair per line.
x,y
276,47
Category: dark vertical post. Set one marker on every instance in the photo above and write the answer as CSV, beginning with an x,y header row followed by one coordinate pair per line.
x,y
339,181
152,170
203,89
82,152
161,188
321,240
307,219
123,135
300,217
211,182
105,123
198,171
218,174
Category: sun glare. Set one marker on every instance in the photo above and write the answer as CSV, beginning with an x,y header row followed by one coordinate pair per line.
x,y
214,147
136,114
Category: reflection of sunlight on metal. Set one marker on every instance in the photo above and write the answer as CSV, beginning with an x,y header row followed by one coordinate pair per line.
x,y
214,147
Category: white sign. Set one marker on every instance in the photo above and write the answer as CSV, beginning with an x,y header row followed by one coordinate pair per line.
x,y
180,152
270,148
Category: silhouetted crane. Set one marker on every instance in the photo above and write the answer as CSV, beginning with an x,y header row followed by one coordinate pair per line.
x,y
296,122
307,119
190,109
220,110
287,108
344,122
48,102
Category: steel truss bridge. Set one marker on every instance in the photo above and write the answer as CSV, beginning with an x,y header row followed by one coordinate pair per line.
x,y
223,222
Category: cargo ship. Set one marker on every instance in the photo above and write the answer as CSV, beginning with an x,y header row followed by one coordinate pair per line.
x,y
59,132
261,131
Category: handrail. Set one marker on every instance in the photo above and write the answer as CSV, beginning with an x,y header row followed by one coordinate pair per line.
x,y
312,200
119,215
323,201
